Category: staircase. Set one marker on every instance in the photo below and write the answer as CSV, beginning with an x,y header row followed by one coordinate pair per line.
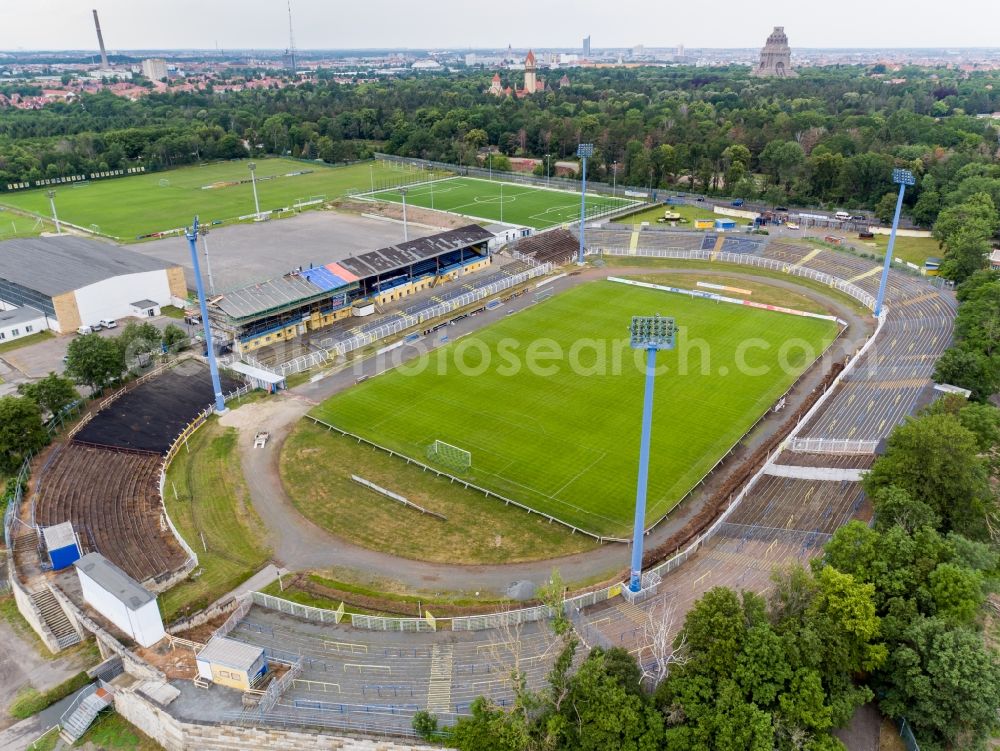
x,y
55,618
439,686
83,710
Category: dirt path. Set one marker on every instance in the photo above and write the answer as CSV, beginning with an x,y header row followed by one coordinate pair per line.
x,y
299,544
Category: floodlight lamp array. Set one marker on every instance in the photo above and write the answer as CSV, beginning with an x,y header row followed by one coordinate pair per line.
x,y
652,332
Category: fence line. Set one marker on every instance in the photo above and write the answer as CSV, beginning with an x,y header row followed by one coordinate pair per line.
x,y
306,612
831,446
278,687
562,183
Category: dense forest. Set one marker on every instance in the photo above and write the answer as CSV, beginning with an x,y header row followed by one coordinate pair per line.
x,y
830,137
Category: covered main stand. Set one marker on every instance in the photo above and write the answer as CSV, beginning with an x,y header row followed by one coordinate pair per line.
x,y
259,378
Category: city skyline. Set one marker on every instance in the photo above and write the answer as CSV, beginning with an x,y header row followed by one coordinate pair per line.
x,y
445,24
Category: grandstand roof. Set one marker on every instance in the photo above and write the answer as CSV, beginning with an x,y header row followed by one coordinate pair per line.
x,y
402,255
54,265
274,293
114,581
316,282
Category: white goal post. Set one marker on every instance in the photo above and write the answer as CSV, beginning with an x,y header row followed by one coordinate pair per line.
x,y
449,456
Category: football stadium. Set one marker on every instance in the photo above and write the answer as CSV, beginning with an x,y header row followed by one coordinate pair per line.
x,y
443,423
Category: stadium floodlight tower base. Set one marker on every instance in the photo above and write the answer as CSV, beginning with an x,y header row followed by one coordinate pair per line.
x,y
651,333
584,150
213,366
902,177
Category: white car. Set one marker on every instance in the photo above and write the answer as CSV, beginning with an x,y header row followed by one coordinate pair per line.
x,y
85,330
111,324
792,225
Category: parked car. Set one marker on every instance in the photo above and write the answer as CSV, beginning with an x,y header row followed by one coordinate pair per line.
x,y
737,203
96,326
85,330
859,218
109,323
781,208
842,216
792,225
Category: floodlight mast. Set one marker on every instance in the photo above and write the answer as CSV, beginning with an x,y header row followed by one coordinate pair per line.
x,y
213,366
651,333
584,150
902,177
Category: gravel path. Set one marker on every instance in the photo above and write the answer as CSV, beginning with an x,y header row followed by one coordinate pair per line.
x,y
299,544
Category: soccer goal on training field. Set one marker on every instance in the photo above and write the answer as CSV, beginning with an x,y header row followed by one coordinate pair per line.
x,y
449,456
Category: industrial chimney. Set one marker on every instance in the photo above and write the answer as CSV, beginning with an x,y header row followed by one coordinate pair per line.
x,y
100,41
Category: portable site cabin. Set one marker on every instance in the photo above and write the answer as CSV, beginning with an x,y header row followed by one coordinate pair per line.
x,y
62,546
725,225
231,663
932,266
704,223
120,598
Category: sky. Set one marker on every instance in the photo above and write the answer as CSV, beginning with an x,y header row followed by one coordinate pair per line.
x,y
428,24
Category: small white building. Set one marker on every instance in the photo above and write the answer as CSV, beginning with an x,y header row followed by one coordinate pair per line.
x,y
231,663
145,308
120,598
18,322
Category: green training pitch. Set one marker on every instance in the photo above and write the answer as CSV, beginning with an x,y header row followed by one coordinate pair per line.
x,y
498,201
127,208
563,437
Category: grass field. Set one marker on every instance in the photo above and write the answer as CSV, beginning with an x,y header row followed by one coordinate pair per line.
x,y
208,501
16,225
128,207
498,201
562,437
316,469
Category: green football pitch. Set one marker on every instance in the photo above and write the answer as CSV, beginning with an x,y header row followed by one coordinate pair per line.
x,y
499,201
129,207
561,435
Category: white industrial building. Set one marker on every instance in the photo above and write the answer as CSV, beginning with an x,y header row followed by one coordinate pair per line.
x,y
19,322
74,281
120,598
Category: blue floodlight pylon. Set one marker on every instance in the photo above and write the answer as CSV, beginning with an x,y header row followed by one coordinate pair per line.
x,y
901,177
584,150
651,333
213,366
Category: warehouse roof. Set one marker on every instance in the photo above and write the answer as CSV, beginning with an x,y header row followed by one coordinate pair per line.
x,y
230,653
114,581
54,265
19,315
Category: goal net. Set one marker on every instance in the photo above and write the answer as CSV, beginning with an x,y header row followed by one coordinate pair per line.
x,y
449,456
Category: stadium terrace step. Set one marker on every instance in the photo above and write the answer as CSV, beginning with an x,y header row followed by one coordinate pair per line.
x,y
439,685
81,714
55,618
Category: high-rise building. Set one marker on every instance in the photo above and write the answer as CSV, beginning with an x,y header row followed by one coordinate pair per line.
x,y
776,57
155,68
586,46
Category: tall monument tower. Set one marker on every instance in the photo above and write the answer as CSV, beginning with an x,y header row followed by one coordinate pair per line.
x,y
100,41
530,79
776,57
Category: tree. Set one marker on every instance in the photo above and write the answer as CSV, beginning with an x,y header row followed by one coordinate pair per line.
x,y
139,342
174,337
935,460
781,160
425,724
945,683
969,369
21,431
95,361
885,209
52,393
